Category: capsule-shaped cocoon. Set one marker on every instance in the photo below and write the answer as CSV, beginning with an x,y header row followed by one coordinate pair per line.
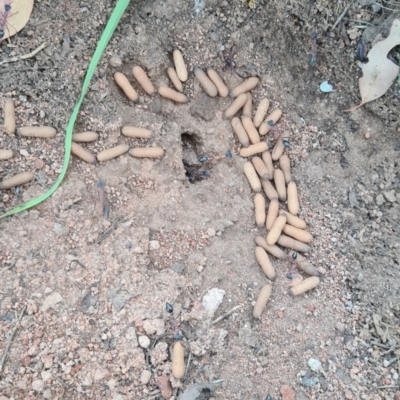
x,y
274,117
237,104
260,167
250,129
290,243
254,149
276,230
292,198
294,220
262,300
280,185
147,152
269,190
305,265
260,113
205,82
9,117
284,164
174,79
83,137
272,214
6,154
113,152
16,180
171,94
278,150
252,177
298,234
240,132
178,360
122,81
259,207
133,132
265,263
248,106
266,157
218,82
45,132
180,65
144,81
273,250
245,86
304,286
83,154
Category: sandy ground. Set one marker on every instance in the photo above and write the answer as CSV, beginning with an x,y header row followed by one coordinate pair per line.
x,y
95,288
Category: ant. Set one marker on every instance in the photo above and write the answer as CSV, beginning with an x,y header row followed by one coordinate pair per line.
x,y
7,6
229,61
293,264
276,135
4,15
177,332
313,58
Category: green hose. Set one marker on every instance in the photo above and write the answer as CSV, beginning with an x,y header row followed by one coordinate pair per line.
x,y
105,38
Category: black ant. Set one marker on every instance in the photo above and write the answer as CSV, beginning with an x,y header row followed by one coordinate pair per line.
x,y
174,325
229,61
293,264
276,135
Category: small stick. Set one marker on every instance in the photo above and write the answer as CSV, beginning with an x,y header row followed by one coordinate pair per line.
x,y
10,338
342,15
24,57
220,318
187,365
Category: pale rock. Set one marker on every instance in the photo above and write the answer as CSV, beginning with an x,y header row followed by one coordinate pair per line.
x,y
47,394
152,326
154,245
111,384
51,300
87,381
45,375
145,377
379,200
38,385
144,341
390,196
33,350
100,374
212,300
48,362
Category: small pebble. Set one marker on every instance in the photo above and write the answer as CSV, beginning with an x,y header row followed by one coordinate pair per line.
x,y
144,341
367,135
145,377
115,61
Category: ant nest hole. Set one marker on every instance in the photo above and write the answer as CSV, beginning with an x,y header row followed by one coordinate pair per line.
x,y
192,158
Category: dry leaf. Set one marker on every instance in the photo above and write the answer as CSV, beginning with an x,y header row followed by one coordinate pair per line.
x,y
379,72
12,21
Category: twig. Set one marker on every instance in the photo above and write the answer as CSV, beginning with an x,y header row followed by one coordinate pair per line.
x,y
187,365
220,318
10,338
387,387
25,56
342,15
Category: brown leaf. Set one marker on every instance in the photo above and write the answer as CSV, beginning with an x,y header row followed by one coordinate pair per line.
x,y
379,73
16,18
